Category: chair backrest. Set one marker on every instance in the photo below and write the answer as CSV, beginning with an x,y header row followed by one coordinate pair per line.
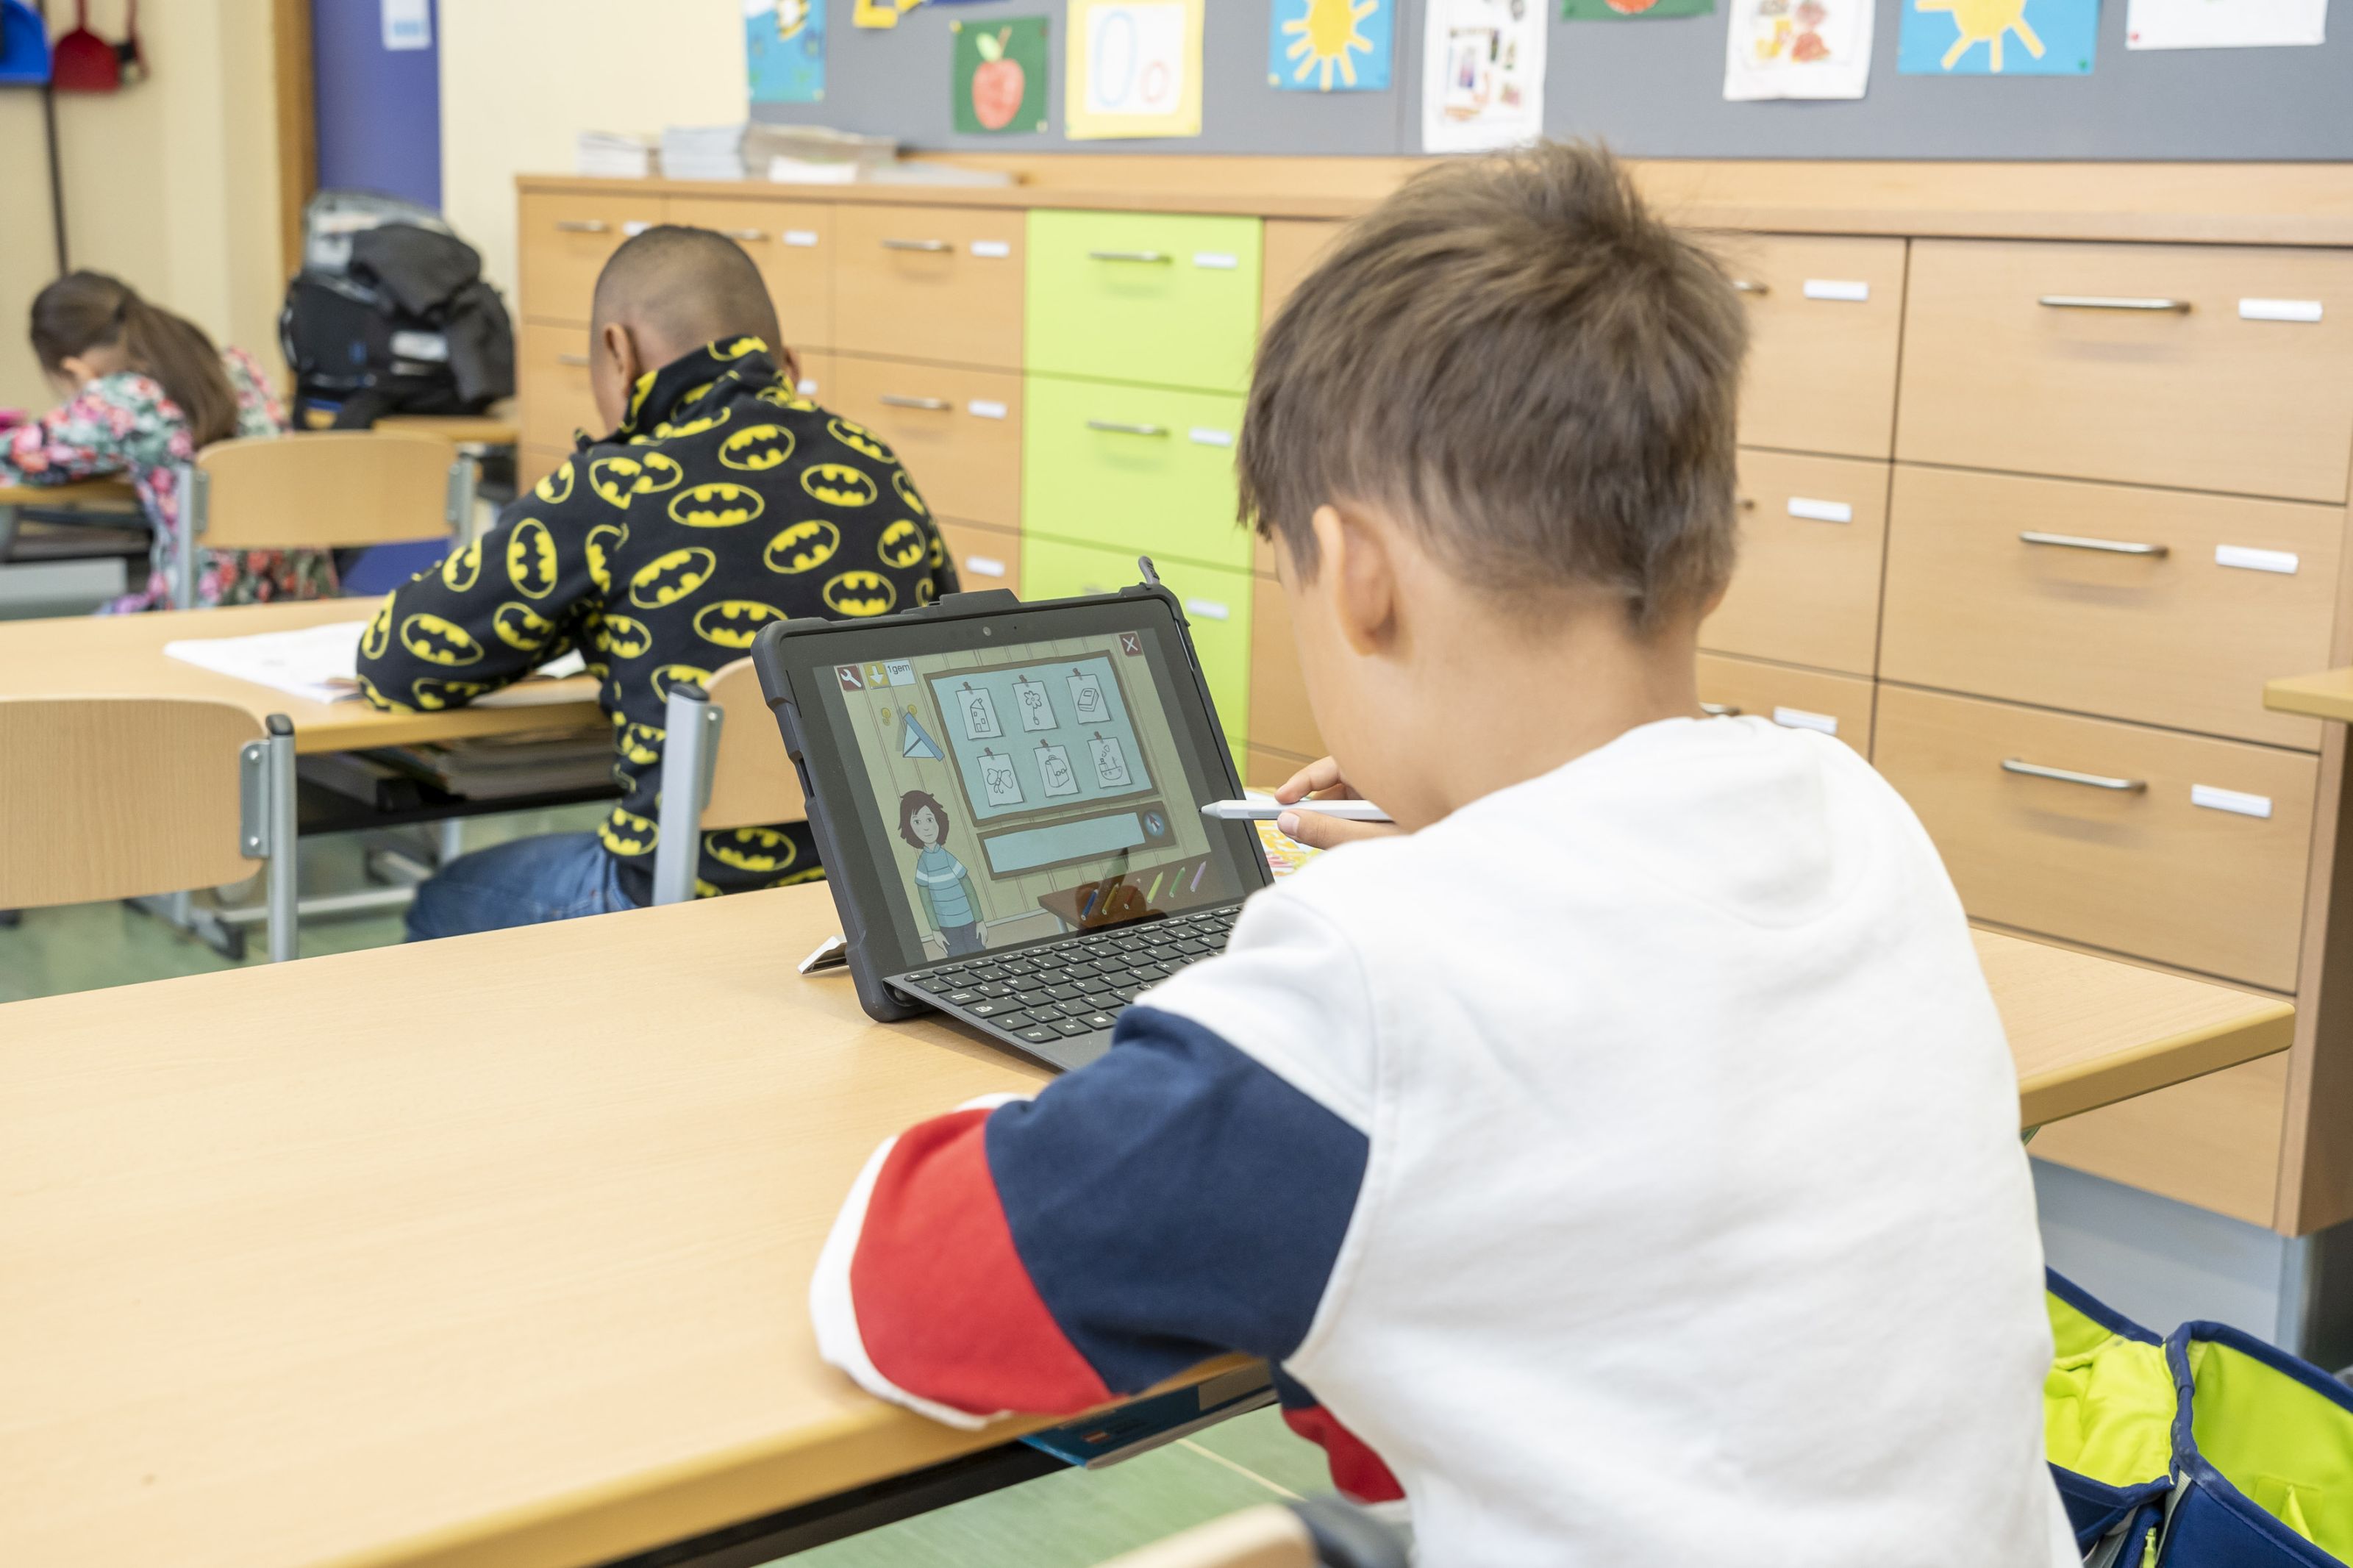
x,y
118,797
326,491
1264,1537
753,783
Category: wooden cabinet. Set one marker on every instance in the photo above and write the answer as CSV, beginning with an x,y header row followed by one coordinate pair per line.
x,y
1813,531
2160,605
1281,719
566,238
1838,705
1141,469
2176,848
793,243
942,284
1825,319
958,430
551,377
2208,367
984,557
1163,297
1291,249
2213,1142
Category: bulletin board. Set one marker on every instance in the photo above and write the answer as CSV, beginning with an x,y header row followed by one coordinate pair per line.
x,y
1653,89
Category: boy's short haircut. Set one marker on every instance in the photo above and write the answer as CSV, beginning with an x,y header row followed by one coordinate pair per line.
x,y
696,284
1520,363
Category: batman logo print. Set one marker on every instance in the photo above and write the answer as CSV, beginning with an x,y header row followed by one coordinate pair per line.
x,y
434,695
838,484
556,489
802,547
626,832
622,475
669,674
531,559
755,849
624,637
786,397
718,505
604,542
641,743
906,489
436,641
738,348
859,593
926,592
460,568
903,545
734,623
667,579
859,439
521,628
378,636
379,702
695,426
755,448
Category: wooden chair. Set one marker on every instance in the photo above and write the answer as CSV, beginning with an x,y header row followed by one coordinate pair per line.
x,y
322,491
748,783
1314,1533
121,797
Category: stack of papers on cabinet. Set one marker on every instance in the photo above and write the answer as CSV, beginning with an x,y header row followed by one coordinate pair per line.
x,y
615,154
702,151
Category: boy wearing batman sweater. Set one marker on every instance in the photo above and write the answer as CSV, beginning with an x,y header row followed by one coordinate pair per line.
x,y
721,501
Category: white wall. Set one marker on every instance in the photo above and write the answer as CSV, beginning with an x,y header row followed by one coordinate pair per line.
x,y
520,78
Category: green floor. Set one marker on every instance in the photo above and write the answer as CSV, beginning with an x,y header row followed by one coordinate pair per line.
x,y
1073,1519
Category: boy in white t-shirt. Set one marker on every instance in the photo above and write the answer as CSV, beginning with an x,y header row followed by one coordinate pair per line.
x,y
1626,1152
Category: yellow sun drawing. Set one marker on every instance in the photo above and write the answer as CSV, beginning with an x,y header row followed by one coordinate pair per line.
x,y
1325,35
1984,21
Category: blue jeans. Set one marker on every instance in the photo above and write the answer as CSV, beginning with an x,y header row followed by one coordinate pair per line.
x,y
526,881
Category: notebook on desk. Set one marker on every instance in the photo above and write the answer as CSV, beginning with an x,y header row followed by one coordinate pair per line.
x,y
319,663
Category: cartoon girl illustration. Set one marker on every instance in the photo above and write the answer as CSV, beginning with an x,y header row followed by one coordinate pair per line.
x,y
940,877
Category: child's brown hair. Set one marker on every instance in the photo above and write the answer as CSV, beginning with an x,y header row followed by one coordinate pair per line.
x,y
1519,363
84,310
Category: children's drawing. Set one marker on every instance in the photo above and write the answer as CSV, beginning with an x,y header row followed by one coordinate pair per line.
x,y
1134,69
979,711
2225,24
1618,10
942,887
1314,41
1797,49
1087,702
999,779
784,50
1482,75
916,742
1111,763
2019,38
1054,768
998,79
1036,708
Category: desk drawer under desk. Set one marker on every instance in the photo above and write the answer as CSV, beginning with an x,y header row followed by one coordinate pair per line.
x,y
942,284
958,430
1837,705
1825,315
793,243
2164,606
2174,847
2199,366
564,241
1813,531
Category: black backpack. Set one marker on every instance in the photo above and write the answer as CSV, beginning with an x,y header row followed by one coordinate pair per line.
x,y
390,315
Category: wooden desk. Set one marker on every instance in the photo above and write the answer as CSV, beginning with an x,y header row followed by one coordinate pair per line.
x,y
466,429
124,656
2325,694
298,1276
80,493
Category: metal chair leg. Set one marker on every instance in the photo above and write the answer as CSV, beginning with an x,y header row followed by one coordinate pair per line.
x,y
690,753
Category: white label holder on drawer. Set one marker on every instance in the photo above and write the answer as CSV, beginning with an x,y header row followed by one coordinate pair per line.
x,y
2279,310
992,249
985,408
1843,290
1820,511
1800,718
800,238
2231,800
2246,558
1209,609
983,565
1216,261
1203,435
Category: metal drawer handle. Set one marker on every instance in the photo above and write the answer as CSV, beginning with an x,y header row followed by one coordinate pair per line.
x,y
2069,776
2111,302
1117,428
925,244
1127,256
582,226
929,404
747,234
579,362
1721,710
2111,546
1750,286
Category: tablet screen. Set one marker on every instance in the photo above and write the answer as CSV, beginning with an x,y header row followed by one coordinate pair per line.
x,y
1012,792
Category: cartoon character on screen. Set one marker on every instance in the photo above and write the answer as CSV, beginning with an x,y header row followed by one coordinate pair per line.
x,y
944,885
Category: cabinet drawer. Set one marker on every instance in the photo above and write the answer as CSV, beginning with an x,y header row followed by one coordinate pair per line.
x,y
1292,246
1837,705
1281,716
564,241
793,243
1813,531
1825,316
1216,603
958,430
930,283
1141,469
553,377
984,557
817,375
1151,297
2133,362
2213,1142
2110,601
2124,855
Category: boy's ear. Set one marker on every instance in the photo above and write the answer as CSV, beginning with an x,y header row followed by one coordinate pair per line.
x,y
621,348
1356,569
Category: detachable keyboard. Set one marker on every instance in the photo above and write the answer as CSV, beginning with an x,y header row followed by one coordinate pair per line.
x,y
1058,1000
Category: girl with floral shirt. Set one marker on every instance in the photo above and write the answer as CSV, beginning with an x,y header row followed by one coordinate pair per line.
x,y
146,390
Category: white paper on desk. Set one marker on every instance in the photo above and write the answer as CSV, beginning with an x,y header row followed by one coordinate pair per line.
x,y
319,663
2225,24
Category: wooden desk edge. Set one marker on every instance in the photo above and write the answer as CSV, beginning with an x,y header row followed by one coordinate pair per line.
x,y
695,1497
2322,694
2265,1029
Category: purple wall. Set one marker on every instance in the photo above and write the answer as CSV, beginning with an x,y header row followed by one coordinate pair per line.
x,y
379,111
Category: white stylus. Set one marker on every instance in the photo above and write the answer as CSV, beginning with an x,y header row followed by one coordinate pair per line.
x,y
1267,810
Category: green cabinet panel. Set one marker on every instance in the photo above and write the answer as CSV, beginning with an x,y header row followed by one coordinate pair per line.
x,y
1158,297
1216,604
1143,469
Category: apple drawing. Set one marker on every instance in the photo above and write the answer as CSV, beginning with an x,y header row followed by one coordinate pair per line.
x,y
997,83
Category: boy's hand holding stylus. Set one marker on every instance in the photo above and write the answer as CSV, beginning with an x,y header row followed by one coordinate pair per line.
x,y
1320,780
